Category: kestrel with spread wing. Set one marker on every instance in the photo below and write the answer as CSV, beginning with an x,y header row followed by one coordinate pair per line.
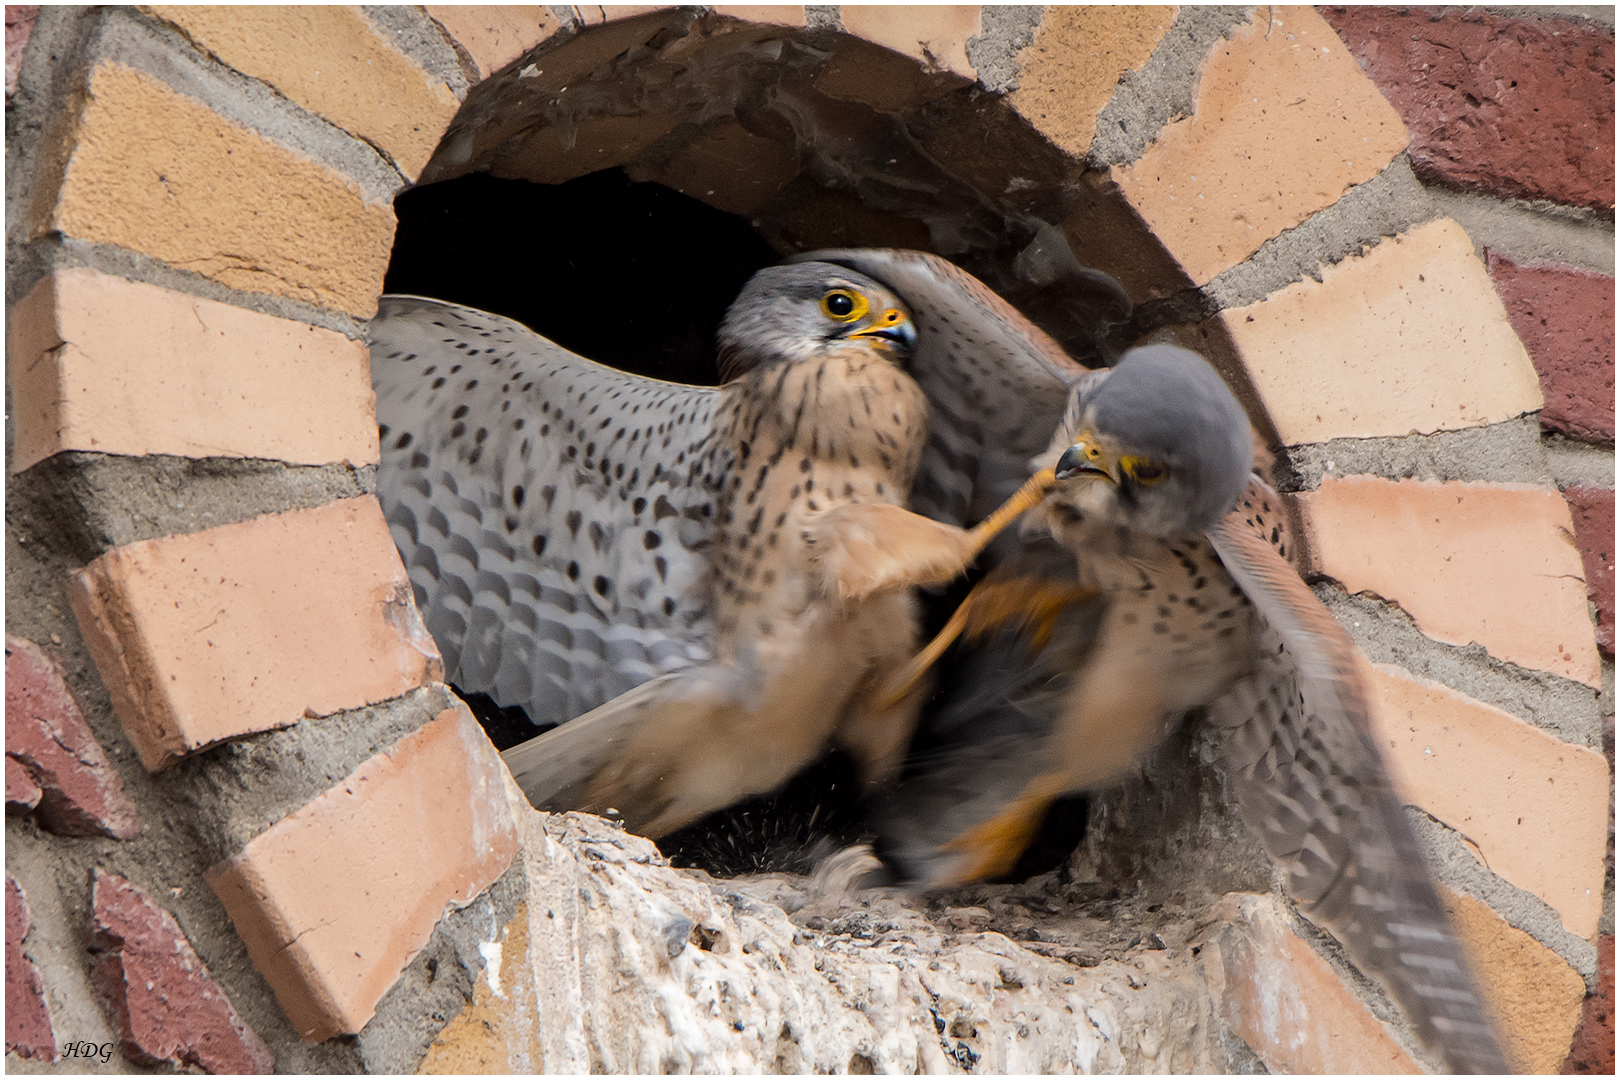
x,y
706,583
1153,581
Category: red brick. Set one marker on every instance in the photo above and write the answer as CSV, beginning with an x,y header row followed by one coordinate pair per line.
x,y
336,898
1593,511
28,1023
1565,317
19,27
157,993
1514,107
46,734
1592,1051
21,791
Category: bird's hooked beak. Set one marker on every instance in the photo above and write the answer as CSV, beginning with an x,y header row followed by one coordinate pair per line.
x,y
1088,458
886,329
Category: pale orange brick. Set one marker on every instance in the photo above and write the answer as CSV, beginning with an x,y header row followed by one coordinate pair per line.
x,y
1080,52
495,34
728,167
1531,995
330,60
336,898
120,367
1471,563
597,14
217,199
1286,1002
773,14
252,626
1533,805
1410,337
935,34
1283,125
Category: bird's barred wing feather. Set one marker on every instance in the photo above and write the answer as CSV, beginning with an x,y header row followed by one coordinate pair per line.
x,y
996,383
1312,785
550,510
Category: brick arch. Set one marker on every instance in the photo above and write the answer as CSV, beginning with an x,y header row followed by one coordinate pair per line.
x,y
209,224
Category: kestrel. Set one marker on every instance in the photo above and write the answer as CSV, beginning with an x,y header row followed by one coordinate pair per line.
x,y
708,584
1153,580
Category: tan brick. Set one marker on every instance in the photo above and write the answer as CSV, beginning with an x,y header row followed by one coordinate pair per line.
x,y
1080,52
1534,806
252,626
1409,337
1284,123
218,199
597,14
1485,563
336,898
1532,996
728,167
496,1032
551,155
774,14
330,60
935,34
1286,1002
494,35
120,367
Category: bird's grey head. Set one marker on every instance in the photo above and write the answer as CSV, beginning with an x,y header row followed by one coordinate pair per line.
x,y
1158,444
797,312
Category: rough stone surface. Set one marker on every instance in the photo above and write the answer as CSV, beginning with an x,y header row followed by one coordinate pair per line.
x,y
1565,317
21,791
1592,1051
1409,337
495,35
217,199
1284,124
335,900
1514,107
332,61
28,1022
164,1003
252,626
77,791
121,367
1533,806
1471,563
1287,1003
19,25
1593,511
618,963
1531,995
1076,58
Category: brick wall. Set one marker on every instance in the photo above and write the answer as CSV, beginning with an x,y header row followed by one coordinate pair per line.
x,y
206,611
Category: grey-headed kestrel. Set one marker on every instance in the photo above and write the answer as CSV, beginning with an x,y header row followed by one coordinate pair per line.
x,y
1153,580
705,582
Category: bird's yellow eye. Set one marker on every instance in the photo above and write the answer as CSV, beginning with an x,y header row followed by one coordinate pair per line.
x,y
843,305
1142,470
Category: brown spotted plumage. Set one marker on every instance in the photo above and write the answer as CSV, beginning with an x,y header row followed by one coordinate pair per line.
x,y
1186,600
674,570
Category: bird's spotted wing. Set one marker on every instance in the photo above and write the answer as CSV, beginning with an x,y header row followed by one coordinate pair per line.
x,y
996,383
550,510
1311,784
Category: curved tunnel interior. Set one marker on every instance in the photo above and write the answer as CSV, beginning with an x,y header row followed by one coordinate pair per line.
x,y
620,214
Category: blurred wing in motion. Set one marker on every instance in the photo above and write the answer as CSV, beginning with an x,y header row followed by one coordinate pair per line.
x,y
1312,785
551,510
976,786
